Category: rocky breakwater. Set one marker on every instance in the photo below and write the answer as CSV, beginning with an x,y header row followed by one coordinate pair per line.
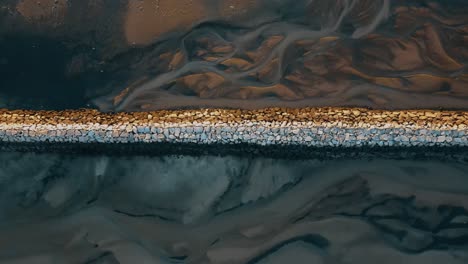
x,y
319,127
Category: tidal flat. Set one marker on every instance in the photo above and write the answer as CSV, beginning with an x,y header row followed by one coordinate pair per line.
x,y
83,208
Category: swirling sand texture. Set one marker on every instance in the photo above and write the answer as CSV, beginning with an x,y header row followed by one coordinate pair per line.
x,y
382,54
147,54
78,209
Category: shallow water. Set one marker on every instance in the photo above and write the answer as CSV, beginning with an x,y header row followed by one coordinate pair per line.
x,y
59,208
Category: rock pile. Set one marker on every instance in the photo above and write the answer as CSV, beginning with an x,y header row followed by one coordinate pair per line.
x,y
337,127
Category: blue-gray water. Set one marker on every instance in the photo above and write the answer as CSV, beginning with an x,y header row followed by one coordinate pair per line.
x,y
58,208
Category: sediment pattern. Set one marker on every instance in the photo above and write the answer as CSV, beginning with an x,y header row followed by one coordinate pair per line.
x,y
144,55
231,210
337,127
379,54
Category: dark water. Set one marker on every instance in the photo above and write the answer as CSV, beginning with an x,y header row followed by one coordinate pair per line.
x,y
32,74
153,54
57,208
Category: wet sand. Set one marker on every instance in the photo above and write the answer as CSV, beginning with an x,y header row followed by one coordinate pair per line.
x,y
151,55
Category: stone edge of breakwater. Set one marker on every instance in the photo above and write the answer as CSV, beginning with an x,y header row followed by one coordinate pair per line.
x,y
310,127
240,150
